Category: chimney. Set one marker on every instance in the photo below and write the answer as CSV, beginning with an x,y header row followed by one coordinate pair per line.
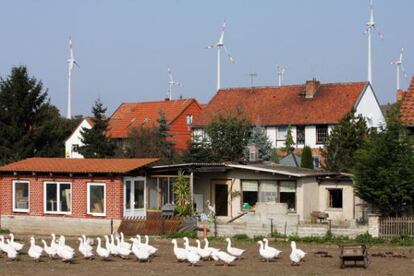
x,y
311,87
400,95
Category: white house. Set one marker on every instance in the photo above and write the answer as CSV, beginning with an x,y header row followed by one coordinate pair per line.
x,y
311,109
74,141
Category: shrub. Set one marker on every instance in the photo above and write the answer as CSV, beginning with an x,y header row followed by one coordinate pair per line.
x,y
368,239
241,237
182,234
182,195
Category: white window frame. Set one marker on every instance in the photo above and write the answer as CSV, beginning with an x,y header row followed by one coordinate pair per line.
x,y
189,119
58,197
278,138
88,199
18,210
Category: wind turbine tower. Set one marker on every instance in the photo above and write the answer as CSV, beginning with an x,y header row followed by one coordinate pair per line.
x,y
369,27
400,67
71,63
171,83
219,45
280,70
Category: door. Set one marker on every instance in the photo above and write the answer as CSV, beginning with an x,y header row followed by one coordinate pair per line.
x,y
135,196
221,196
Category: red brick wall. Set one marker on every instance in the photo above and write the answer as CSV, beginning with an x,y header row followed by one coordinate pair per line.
x,y
114,196
180,129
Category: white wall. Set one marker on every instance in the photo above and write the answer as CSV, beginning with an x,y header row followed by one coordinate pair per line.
x,y
75,139
369,108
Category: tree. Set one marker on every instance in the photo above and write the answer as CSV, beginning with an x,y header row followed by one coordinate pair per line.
x,y
29,124
289,143
228,135
306,158
182,194
165,142
142,142
384,168
198,151
259,139
96,143
342,143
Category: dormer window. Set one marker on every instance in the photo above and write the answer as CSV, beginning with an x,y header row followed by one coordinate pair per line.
x,y
189,119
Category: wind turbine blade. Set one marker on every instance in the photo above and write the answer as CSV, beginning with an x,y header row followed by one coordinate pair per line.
x,y
403,70
170,75
401,54
211,46
74,62
228,54
223,27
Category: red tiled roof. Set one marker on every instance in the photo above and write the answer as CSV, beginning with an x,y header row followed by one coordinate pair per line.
x,y
130,115
65,165
286,104
407,105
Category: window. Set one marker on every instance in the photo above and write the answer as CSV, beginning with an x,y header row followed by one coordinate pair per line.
x,y
300,135
267,191
250,193
281,133
97,199
189,119
252,153
75,148
58,197
288,194
321,134
316,162
167,190
335,198
20,196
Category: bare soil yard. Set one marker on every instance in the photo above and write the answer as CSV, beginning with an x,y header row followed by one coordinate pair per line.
x,y
402,263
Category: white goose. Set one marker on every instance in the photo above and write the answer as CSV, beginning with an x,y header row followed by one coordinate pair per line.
x,y
62,244
204,253
297,255
237,252
87,243
152,250
266,253
123,243
180,253
53,242
85,250
192,257
65,252
271,249
3,245
11,252
112,247
35,251
188,247
207,247
222,256
17,246
49,250
122,250
140,252
102,252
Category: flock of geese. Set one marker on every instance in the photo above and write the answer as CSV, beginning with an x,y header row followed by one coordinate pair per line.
x,y
115,245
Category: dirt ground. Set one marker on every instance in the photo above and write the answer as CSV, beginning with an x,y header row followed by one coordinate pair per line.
x,y
165,263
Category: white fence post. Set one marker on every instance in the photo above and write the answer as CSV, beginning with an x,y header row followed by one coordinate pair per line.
x,y
373,225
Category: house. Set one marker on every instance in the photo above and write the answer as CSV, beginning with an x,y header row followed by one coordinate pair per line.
x,y
406,98
311,109
179,114
74,141
71,196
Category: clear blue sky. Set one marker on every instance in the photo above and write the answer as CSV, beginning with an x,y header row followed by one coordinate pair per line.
x,y
124,47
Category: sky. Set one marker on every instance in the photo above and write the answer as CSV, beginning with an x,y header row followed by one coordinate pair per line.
x,y
124,47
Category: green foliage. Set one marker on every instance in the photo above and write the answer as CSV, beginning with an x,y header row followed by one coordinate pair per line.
x,y
275,157
96,143
306,158
29,124
368,239
229,134
259,139
241,237
384,169
142,142
182,234
165,143
198,151
4,231
344,140
258,238
275,234
182,195
403,240
289,143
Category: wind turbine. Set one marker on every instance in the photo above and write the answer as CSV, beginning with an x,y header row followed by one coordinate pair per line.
x,y
219,45
399,64
369,27
280,70
171,83
71,63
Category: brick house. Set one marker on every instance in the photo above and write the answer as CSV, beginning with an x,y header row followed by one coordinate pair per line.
x,y
311,109
71,195
407,106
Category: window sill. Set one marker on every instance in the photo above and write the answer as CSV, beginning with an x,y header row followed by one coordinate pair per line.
x,y
97,215
57,213
20,211
334,210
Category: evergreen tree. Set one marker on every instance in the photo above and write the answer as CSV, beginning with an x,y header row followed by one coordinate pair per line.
x,y
384,168
165,142
142,142
228,135
259,139
96,143
342,143
29,124
289,143
198,151
306,158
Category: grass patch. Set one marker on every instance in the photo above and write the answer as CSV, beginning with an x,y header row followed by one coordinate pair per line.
x,y
4,231
182,234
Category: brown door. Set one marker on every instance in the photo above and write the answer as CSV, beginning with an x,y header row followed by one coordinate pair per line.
x,y
221,195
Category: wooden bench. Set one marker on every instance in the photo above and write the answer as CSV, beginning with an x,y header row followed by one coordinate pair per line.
x,y
354,253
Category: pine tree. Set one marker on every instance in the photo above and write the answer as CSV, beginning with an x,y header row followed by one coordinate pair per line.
x,y
96,143
306,158
384,168
289,143
29,124
165,142
198,151
343,141
259,139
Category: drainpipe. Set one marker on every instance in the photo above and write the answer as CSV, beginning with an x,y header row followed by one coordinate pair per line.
x,y
192,191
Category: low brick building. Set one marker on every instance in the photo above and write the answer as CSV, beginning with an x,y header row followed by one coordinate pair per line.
x,y
71,196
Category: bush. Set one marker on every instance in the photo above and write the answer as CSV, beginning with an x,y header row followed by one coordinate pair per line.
x,y
241,237
182,234
403,240
275,234
4,231
368,239
258,238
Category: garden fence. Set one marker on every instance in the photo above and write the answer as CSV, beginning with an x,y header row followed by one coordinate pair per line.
x,y
394,227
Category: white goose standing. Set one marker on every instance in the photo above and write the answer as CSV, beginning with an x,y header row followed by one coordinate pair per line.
x,y
237,252
180,253
207,247
49,250
266,254
271,249
297,255
222,256
65,252
139,251
17,246
35,251
84,249
123,251
11,252
204,253
102,252
187,245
